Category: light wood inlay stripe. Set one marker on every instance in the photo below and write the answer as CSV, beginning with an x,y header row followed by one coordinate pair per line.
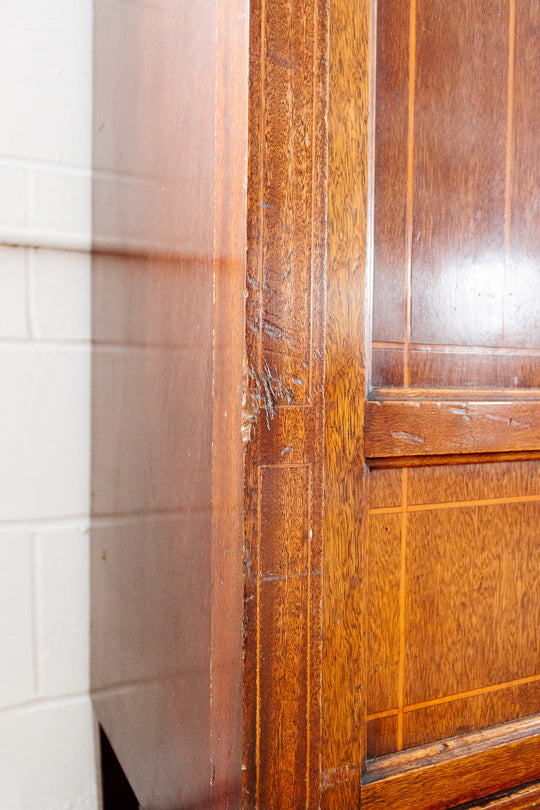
x,y
410,190
402,600
429,507
509,153
425,704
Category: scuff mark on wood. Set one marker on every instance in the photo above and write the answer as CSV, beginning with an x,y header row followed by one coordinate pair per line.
x,y
410,438
334,777
286,451
266,390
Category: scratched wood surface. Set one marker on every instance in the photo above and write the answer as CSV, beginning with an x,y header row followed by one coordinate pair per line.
x,y
283,408
170,155
403,428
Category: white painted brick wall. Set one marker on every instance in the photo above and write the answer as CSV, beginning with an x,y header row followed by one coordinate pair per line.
x,y
47,757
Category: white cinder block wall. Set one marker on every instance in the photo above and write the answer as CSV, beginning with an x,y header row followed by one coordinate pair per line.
x,y
46,734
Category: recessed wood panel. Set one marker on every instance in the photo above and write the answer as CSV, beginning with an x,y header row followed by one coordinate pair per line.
x,y
523,303
385,488
283,723
391,175
383,585
381,736
460,109
473,599
455,717
468,482
453,600
452,369
454,184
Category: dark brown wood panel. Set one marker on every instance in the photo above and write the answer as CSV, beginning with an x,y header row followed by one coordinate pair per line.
x,y
449,369
390,247
381,736
169,218
459,172
473,599
387,366
283,409
523,304
464,482
454,214
417,427
452,600
385,488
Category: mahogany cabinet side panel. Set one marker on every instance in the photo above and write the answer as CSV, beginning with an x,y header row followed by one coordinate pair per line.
x,y
169,213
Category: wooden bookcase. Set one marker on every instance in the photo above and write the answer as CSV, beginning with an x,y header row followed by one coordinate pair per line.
x,y
316,402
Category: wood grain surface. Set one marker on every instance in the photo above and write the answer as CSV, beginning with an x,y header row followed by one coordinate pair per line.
x,y
342,702
412,428
452,599
442,777
520,799
454,290
284,404
169,217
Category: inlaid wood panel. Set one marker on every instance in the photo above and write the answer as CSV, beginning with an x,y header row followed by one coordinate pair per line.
x,y
454,187
383,606
283,408
344,616
455,601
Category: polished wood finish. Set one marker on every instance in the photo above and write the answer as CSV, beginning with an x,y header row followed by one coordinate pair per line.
x,y
284,403
170,158
452,610
520,799
412,428
343,639
438,779
314,514
454,292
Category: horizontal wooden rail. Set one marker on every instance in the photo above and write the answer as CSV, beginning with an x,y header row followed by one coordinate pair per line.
x,y
443,774
397,428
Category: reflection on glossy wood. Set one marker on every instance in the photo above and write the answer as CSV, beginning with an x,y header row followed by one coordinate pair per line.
x,y
454,213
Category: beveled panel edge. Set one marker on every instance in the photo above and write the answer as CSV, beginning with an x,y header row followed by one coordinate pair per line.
x,y
458,770
398,462
520,798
